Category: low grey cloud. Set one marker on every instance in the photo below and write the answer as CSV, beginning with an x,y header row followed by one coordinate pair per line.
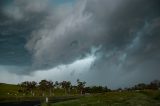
x,y
123,34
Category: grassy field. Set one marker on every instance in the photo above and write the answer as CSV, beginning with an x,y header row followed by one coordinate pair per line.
x,y
142,98
8,90
9,93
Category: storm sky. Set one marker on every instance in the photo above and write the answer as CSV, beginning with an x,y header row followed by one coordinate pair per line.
x,y
114,43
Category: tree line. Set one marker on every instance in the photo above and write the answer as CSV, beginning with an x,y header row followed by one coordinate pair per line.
x,y
153,85
50,88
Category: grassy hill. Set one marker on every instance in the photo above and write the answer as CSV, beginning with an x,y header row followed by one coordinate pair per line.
x,y
9,92
8,89
145,98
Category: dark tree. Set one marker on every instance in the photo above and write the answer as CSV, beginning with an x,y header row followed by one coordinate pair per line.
x,y
66,86
43,85
80,86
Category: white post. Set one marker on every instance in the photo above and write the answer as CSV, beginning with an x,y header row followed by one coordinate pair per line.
x,y
46,99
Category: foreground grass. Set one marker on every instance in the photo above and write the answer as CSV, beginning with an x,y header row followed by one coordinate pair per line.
x,y
145,98
142,98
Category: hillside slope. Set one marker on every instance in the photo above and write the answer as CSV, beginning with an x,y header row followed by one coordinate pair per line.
x,y
8,89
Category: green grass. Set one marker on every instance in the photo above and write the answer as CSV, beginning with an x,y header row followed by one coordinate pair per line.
x,y
9,93
141,98
8,90
114,99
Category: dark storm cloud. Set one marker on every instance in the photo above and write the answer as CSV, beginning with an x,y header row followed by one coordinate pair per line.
x,y
132,52
132,33
111,24
16,24
126,33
